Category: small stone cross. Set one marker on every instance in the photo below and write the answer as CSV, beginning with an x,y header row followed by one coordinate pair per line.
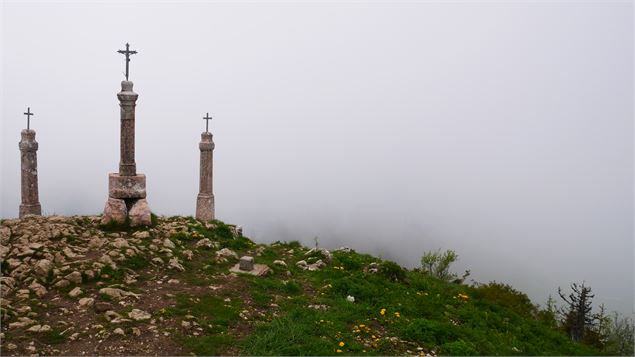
x,y
28,118
207,118
127,53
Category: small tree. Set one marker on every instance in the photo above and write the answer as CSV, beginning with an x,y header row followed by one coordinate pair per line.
x,y
577,317
438,265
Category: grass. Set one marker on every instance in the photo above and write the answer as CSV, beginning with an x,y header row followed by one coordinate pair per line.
x,y
395,312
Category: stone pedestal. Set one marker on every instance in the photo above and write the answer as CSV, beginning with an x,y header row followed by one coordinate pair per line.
x,y
205,199
28,154
127,189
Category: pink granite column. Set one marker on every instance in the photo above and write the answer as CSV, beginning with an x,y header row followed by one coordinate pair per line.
x,y
127,102
28,153
205,199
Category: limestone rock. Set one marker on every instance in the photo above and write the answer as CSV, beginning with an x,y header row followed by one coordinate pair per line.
x,y
139,315
280,263
77,291
168,244
120,243
117,293
38,289
43,267
119,331
225,253
140,214
74,277
141,234
87,301
175,264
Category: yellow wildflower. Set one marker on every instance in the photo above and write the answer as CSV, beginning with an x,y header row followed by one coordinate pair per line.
x,y
338,351
361,325
341,344
382,312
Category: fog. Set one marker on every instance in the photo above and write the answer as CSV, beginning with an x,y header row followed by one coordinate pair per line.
x,y
502,131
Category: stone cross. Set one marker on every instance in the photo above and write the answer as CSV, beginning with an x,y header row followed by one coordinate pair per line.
x,y
127,188
28,118
205,198
207,118
127,53
28,157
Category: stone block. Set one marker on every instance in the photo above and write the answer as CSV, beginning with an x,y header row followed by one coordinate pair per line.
x,y
26,209
205,207
115,210
126,186
246,263
140,214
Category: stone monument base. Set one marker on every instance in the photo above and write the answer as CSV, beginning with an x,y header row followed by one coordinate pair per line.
x,y
126,199
118,210
35,209
204,207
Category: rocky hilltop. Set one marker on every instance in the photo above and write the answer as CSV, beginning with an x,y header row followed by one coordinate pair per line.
x,y
71,286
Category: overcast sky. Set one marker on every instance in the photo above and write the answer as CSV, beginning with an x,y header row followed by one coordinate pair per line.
x,y
503,131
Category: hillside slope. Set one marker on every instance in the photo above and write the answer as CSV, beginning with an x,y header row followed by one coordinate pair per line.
x,y
72,287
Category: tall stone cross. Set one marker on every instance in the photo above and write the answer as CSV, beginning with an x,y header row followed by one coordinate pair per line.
x,y
207,119
28,118
127,53
28,158
205,198
127,188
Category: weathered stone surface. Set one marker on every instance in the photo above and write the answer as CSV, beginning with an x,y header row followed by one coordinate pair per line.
x,y
205,198
139,315
127,102
43,267
140,214
246,263
126,186
258,270
115,210
28,156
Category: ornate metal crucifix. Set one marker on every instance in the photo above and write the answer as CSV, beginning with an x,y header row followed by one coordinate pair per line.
x,y
28,118
207,118
127,53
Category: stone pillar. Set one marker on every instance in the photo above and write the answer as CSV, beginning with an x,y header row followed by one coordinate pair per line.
x,y
28,154
205,199
127,189
127,102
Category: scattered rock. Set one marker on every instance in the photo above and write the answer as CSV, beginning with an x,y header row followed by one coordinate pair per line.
x,y
62,283
77,291
74,277
101,306
204,243
119,331
117,293
43,267
175,264
39,328
139,315
225,253
38,289
246,263
136,331
120,243
141,234
280,263
168,243
87,301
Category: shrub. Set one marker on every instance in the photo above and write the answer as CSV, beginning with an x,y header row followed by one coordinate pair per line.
x,y
392,271
438,265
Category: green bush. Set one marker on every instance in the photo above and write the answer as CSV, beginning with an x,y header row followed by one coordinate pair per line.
x,y
392,271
